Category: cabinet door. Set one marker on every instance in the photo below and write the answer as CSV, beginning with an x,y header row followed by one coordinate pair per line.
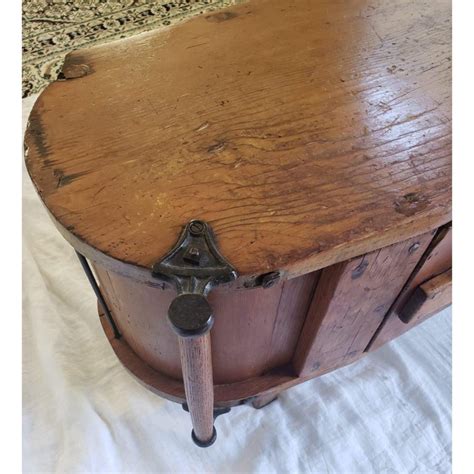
x,y
427,291
350,302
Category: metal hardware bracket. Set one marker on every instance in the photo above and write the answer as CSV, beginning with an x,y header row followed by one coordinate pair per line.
x,y
194,266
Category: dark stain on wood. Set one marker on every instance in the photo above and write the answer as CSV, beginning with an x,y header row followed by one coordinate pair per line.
x,y
36,132
47,162
410,204
65,179
222,16
360,269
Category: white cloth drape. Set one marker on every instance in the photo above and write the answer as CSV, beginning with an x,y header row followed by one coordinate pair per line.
x,y
82,412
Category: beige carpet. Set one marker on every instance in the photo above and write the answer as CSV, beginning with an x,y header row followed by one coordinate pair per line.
x,y
52,28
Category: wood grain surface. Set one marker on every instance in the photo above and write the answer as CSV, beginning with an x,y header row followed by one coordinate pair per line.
x,y
305,132
196,362
350,303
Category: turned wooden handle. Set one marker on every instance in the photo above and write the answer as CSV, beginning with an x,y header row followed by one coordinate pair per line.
x,y
191,318
196,363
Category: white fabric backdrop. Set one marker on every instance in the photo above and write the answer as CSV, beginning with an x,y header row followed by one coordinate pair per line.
x,y
82,412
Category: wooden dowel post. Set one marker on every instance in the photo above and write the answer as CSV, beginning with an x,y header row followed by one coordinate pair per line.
x,y
191,318
196,363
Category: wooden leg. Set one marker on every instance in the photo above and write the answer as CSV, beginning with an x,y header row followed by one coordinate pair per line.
x,y
264,400
196,362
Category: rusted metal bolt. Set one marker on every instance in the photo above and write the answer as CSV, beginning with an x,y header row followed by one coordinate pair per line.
x,y
196,228
414,248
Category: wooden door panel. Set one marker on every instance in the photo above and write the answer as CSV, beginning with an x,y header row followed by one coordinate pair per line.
x,y
435,261
350,303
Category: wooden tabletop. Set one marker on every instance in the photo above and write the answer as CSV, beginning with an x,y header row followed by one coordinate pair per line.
x,y
305,132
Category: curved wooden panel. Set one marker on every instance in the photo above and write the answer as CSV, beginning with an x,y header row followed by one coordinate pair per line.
x,y
225,395
255,330
140,312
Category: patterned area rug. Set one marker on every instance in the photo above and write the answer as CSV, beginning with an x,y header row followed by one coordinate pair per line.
x,y
52,28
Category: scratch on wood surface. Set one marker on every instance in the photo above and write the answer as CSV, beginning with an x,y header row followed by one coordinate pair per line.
x,y
196,45
217,147
221,16
202,127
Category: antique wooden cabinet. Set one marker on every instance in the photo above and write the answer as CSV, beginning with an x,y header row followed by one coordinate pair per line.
x,y
263,192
